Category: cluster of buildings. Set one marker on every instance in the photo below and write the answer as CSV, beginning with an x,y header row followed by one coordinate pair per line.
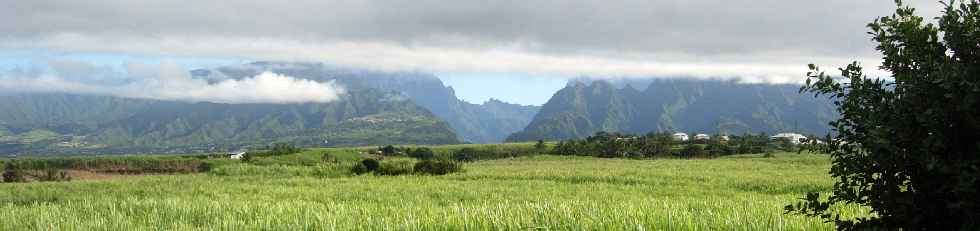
x,y
680,136
794,138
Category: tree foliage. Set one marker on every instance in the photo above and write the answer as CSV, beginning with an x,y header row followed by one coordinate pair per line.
x,y
652,145
277,149
465,155
388,150
437,167
907,146
11,173
366,165
422,153
540,145
692,150
283,149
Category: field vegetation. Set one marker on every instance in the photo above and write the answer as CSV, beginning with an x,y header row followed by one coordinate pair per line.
x,y
505,186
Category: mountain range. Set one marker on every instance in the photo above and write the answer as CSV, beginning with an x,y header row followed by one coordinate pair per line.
x,y
379,108
489,122
85,124
395,108
692,106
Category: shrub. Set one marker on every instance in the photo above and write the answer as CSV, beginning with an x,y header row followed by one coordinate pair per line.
x,y
692,150
12,174
371,165
247,158
743,149
656,145
205,167
422,153
394,168
785,145
279,149
327,158
491,152
388,150
540,145
52,174
359,168
465,155
719,149
437,167
634,155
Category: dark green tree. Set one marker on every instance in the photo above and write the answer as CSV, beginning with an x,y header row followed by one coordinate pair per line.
x,y
247,158
540,145
12,174
437,167
716,148
278,149
692,150
388,150
371,165
422,153
907,146
657,145
466,155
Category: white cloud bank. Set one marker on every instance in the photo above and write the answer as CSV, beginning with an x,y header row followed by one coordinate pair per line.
x,y
761,67
756,41
168,81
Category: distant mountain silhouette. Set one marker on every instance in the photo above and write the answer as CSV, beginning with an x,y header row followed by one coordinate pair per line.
x,y
702,106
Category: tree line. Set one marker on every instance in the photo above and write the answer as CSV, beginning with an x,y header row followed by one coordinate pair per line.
x,y
659,145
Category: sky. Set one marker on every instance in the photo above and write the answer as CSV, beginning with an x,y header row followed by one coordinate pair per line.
x,y
529,48
520,89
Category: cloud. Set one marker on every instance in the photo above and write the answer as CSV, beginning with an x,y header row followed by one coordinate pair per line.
x,y
168,81
769,40
763,67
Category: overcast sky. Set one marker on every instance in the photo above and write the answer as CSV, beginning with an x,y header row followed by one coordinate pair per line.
x,y
755,40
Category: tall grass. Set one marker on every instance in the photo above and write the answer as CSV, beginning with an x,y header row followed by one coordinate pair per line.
x,y
539,192
128,165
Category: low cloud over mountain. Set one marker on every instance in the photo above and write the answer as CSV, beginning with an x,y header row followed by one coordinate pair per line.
x,y
167,81
757,41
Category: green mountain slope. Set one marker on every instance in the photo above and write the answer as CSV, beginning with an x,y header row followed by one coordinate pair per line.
x,y
362,117
64,113
689,106
489,122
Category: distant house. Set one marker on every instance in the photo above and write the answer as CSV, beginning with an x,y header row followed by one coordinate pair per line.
x,y
237,155
793,138
702,136
724,138
680,136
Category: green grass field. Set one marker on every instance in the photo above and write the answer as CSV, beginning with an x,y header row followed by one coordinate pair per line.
x,y
298,192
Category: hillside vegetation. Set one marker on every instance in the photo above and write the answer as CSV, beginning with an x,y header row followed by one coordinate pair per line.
x,y
36,126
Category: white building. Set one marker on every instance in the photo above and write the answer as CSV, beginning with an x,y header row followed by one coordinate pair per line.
x,y
702,136
794,138
236,155
724,138
680,136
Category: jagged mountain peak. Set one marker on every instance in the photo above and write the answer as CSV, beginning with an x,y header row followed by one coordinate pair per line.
x,y
477,123
707,106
